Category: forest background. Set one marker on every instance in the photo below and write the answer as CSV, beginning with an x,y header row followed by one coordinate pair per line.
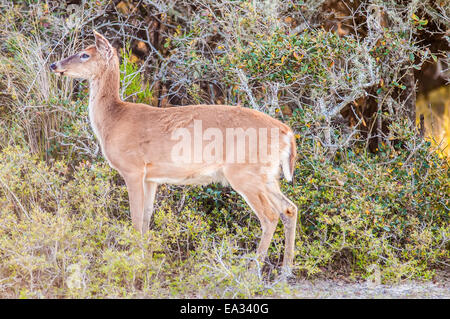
x,y
363,83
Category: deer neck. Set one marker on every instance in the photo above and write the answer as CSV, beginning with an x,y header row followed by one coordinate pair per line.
x,y
104,101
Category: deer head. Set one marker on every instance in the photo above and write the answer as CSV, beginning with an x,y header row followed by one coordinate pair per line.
x,y
90,62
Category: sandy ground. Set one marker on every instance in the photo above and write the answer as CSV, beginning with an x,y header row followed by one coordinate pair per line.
x,y
332,289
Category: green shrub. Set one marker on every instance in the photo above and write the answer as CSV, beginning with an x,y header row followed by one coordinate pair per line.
x,y
134,85
289,58
65,229
389,209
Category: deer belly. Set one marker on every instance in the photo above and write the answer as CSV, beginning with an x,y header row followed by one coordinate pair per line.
x,y
183,176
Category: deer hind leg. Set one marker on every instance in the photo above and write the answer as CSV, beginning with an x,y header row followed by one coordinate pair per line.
x,y
149,201
288,214
263,194
135,188
252,188
289,219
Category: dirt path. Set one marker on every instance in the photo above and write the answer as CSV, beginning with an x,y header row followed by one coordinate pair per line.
x,y
332,289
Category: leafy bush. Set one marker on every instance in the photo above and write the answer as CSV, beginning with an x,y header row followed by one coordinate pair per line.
x,y
388,209
289,58
65,229
66,234
133,83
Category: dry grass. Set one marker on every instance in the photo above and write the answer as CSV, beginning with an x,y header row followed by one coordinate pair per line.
x,y
65,230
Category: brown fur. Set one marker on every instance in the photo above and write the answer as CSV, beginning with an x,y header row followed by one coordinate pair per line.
x,y
136,140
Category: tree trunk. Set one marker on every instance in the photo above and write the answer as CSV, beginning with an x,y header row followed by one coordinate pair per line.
x,y
410,96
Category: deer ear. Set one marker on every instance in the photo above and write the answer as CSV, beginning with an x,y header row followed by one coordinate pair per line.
x,y
103,45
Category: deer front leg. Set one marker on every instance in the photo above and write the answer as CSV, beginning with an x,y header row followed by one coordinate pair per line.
x,y
149,201
135,188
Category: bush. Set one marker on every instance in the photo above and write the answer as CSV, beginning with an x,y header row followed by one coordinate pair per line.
x,y
364,211
66,234
388,209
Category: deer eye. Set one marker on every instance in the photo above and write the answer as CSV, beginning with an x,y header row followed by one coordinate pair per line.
x,y
85,56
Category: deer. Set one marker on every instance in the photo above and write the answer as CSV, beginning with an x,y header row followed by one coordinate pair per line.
x,y
138,141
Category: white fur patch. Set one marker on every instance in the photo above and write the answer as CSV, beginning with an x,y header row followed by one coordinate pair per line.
x,y
285,154
204,177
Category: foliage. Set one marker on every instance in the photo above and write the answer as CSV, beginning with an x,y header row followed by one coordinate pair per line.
x,y
65,229
389,209
132,80
63,233
288,58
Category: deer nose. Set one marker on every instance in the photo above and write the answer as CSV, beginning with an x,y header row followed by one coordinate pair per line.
x,y
53,66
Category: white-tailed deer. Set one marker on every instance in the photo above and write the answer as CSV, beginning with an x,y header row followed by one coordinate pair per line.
x,y
144,144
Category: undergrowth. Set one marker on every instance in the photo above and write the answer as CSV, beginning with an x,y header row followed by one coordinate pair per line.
x,y
65,229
